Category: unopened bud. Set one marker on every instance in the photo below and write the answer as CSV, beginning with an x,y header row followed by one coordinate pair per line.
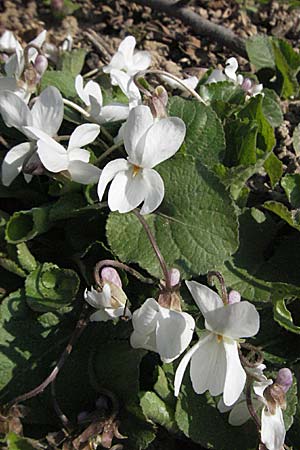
x,y
247,84
158,102
284,379
40,65
174,275
234,297
111,275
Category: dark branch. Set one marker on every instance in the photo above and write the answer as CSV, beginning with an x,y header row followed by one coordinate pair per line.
x,y
200,26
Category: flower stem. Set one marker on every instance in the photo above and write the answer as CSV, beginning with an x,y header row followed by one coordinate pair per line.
x,y
80,327
153,242
221,280
119,265
250,404
76,107
172,77
107,153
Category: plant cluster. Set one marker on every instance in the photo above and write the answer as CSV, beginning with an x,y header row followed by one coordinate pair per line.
x,y
119,198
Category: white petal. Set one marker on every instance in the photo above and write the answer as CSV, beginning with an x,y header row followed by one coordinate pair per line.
x,y
13,162
126,84
235,375
100,316
260,386
144,319
83,172
109,172
224,408
53,155
14,66
114,313
272,429
14,111
191,82
160,142
91,89
174,333
79,154
117,62
48,111
182,367
208,366
94,298
138,122
141,61
240,413
8,42
155,191
83,135
141,340
126,47
126,191
113,113
40,39
206,299
235,321
216,76
230,68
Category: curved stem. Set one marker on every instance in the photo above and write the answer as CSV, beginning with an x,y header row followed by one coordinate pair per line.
x,y
107,153
80,327
76,107
64,419
250,405
221,280
174,78
118,265
253,351
158,254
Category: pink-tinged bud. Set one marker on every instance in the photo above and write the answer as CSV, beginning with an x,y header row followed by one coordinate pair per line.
x,y
158,102
4,57
284,379
57,5
111,275
234,297
247,84
41,64
174,276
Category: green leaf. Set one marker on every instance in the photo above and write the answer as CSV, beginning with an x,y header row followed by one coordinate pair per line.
x,y
16,442
291,185
11,266
158,411
204,135
73,62
296,140
241,140
283,316
25,225
274,169
49,287
161,386
260,52
224,91
25,257
271,107
64,81
195,227
291,217
199,419
286,65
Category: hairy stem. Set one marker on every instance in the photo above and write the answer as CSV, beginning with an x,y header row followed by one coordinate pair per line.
x,y
250,405
118,265
221,280
158,254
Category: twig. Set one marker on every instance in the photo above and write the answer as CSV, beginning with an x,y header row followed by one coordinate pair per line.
x,y
80,327
199,25
98,44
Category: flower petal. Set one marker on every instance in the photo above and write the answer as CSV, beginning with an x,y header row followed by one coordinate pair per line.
x,y
83,135
8,42
216,76
126,47
109,172
90,89
113,113
79,154
127,191
53,155
139,121
182,367
83,172
100,316
117,62
145,318
48,111
141,61
240,412
141,340
208,366
174,333
126,84
206,299
154,192
161,141
235,321
230,68
14,111
235,375
272,429
13,162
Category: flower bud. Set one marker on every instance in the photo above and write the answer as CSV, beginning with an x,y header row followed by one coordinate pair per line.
x,y
234,297
158,102
40,65
246,85
174,275
284,379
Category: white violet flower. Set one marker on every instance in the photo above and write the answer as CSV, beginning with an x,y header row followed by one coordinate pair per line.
x,y
162,330
110,302
46,114
215,362
148,142
74,159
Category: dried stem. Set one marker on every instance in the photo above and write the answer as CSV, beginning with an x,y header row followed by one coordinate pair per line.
x,y
158,254
253,352
221,280
118,265
80,327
